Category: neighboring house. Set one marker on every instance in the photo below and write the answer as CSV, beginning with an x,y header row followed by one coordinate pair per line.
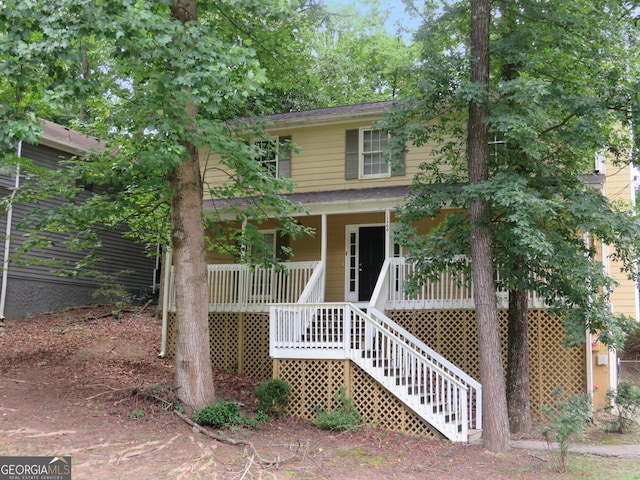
x,y
338,316
30,289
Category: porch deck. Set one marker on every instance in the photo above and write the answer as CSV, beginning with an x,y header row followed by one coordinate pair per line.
x,y
305,339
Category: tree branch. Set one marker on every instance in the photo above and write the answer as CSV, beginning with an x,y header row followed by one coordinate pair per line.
x,y
233,441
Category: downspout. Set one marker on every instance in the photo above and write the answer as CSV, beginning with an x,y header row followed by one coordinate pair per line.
x,y
323,253
589,360
7,240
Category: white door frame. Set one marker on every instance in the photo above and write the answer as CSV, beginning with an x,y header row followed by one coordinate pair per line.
x,y
351,255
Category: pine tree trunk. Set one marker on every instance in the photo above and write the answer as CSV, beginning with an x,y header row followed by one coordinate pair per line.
x,y
194,374
494,404
518,378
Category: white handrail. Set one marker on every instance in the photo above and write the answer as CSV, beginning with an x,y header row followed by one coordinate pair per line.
x,y
314,291
475,388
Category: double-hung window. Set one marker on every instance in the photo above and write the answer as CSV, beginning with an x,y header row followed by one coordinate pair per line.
x,y
372,146
268,156
275,156
365,155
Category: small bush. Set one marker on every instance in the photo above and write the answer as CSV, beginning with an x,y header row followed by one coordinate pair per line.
x,y
273,397
220,414
111,290
564,421
626,406
345,417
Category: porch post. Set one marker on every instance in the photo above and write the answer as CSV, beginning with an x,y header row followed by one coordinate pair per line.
x,y
387,234
243,248
323,246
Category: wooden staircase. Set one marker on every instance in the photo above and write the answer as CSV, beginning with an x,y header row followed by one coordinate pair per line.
x,y
430,386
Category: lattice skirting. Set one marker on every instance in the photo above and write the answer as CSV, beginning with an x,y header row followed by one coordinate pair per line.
x,y
314,382
239,342
453,334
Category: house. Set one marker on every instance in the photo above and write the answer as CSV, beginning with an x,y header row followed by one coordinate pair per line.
x,y
27,289
338,316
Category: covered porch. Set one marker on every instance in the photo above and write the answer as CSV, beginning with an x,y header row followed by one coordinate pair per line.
x,y
327,319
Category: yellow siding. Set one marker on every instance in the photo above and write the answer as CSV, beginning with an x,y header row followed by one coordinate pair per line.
x,y
319,166
320,163
619,188
307,248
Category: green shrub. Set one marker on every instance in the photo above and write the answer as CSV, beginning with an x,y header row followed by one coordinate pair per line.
x,y
625,407
112,290
262,417
564,421
273,396
345,417
220,414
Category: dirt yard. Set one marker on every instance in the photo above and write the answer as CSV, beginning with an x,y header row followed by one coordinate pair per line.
x,y
66,389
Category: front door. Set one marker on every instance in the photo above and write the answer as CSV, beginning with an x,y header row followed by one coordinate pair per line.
x,y
365,256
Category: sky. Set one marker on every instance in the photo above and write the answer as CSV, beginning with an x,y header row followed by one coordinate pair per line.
x,y
398,14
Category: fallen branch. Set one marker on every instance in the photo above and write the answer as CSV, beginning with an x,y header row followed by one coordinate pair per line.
x,y
144,307
234,441
538,457
138,449
161,394
112,390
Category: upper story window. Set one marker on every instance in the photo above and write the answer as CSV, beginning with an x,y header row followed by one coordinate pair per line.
x,y
268,156
372,146
275,156
365,155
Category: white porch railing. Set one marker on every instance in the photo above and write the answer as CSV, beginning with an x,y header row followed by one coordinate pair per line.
x,y
251,288
451,290
426,384
314,291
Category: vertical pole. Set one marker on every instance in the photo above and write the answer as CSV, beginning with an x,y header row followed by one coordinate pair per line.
x,y
165,300
7,239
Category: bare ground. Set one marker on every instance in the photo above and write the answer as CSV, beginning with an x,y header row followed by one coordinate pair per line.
x,y
78,383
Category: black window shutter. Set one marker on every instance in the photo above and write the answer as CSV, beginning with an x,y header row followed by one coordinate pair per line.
x,y
352,150
399,166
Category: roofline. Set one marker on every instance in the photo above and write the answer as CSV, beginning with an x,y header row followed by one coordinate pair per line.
x,y
320,116
67,140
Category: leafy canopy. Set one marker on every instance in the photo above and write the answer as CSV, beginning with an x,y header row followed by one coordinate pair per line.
x,y
560,95
129,73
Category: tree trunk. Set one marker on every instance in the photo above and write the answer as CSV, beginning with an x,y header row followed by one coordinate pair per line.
x,y
494,402
194,374
518,379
